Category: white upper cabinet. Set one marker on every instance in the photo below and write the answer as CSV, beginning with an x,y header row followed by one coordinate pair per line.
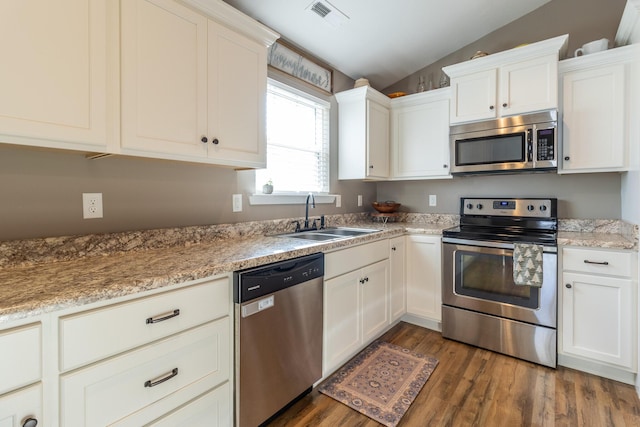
x,y
420,135
363,144
164,78
598,110
192,89
508,83
53,77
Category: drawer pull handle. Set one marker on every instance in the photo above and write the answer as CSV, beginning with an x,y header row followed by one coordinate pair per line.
x,y
163,317
160,380
586,261
29,422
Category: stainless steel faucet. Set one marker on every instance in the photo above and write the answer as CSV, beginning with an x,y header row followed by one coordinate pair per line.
x,y
306,211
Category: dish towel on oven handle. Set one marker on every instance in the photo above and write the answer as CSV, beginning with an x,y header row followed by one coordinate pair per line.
x,y
527,264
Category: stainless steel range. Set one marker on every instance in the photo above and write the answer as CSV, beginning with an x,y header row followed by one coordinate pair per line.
x,y
482,304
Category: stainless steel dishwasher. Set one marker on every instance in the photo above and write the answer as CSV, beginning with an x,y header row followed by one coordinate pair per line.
x,y
278,335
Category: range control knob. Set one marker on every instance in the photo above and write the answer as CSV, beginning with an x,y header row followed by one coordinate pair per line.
x,y
469,206
479,206
530,207
543,208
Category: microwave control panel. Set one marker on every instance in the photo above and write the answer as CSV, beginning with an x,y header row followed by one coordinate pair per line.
x,y
546,144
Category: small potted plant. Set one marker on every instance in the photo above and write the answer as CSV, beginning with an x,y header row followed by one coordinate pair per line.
x,y
268,187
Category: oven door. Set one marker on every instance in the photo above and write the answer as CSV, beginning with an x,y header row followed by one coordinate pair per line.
x,y
478,276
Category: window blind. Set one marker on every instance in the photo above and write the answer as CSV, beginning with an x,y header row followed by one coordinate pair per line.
x,y
297,141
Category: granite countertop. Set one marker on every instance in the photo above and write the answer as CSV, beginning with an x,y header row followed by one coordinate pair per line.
x,y
44,275
30,290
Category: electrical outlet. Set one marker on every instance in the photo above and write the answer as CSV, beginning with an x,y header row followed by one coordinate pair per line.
x,y
338,201
237,203
91,205
359,199
433,201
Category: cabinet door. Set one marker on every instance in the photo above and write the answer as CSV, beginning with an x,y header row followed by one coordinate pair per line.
x,y
593,119
53,74
164,78
21,405
342,327
597,318
474,97
527,86
421,140
377,140
424,278
237,87
397,293
375,299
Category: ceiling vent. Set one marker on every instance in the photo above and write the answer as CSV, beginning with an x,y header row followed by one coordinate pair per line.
x,y
321,9
328,12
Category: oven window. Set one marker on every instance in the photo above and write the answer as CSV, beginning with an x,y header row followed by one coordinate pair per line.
x,y
490,277
488,150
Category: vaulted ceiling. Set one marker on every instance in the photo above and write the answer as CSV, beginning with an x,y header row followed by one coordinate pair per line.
x,y
384,40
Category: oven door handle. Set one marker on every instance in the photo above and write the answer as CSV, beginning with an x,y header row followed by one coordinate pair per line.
x,y
491,244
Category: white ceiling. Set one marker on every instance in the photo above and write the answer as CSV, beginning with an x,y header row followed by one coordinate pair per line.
x,y
385,40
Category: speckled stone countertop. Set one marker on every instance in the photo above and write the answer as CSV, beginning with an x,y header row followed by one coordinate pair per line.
x,y
115,266
44,275
599,233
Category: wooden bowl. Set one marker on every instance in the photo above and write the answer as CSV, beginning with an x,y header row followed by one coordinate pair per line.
x,y
385,207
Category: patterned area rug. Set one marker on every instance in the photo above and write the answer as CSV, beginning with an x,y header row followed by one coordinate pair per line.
x,y
381,382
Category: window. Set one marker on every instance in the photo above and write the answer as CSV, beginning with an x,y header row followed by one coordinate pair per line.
x,y
297,142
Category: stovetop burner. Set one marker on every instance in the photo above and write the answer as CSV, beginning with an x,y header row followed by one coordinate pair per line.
x,y
531,220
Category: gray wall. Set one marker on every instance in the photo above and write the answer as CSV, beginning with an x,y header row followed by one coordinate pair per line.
x,y
583,20
41,191
581,195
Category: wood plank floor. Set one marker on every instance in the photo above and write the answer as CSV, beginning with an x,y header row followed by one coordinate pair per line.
x,y
475,387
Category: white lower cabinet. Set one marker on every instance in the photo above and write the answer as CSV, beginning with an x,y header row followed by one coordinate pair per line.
x,y
145,383
356,303
598,307
424,277
397,289
18,407
21,355
212,409
149,358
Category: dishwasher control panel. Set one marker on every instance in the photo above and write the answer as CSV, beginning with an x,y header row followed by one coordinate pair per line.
x,y
259,281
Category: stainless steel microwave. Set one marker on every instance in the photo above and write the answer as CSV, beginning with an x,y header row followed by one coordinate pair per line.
x,y
511,144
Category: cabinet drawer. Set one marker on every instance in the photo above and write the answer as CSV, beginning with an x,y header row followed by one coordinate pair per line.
x,y
190,363
20,357
211,410
596,261
346,260
21,405
90,336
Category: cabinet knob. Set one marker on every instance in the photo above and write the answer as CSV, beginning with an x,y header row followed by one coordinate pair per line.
x,y
567,158
29,422
568,285
370,166
393,248
504,105
204,139
491,107
215,141
445,166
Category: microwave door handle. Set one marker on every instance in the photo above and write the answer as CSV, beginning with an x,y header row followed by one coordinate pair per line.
x,y
529,145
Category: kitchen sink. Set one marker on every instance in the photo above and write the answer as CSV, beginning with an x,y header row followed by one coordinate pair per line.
x,y
329,233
